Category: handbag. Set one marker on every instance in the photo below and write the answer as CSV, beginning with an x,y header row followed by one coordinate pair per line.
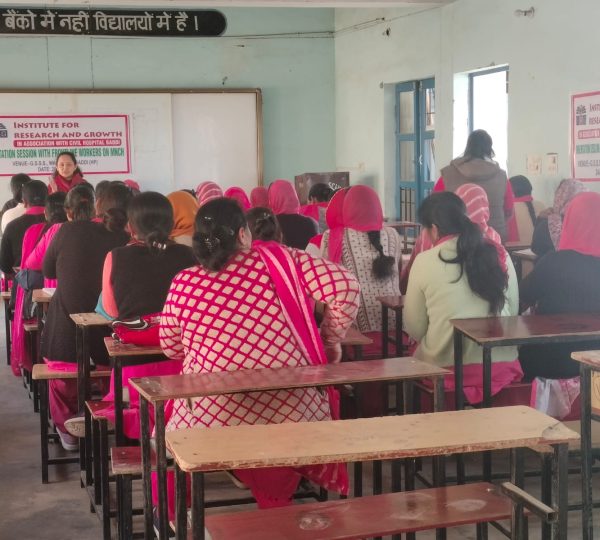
x,y
141,331
28,280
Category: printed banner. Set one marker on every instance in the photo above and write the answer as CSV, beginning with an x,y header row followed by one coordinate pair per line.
x,y
107,22
585,136
30,144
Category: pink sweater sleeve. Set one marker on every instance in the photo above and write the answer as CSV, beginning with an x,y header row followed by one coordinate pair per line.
x,y
36,257
332,285
108,296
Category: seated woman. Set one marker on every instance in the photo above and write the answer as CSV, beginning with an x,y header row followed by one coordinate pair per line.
x,y
462,276
239,195
262,322
263,225
526,209
478,211
565,281
358,241
55,213
75,258
259,196
135,282
207,191
184,213
318,200
548,226
283,201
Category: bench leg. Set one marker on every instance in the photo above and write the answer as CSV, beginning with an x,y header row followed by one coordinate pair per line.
x,y
587,525
517,477
546,490
146,466
197,506
43,386
104,480
384,331
358,484
95,460
560,499
181,506
124,506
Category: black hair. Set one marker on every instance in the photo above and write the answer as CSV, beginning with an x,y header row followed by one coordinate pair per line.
x,y
112,206
383,265
80,203
35,193
476,257
101,187
55,208
72,156
263,224
16,185
321,192
522,187
150,217
217,226
479,145
191,192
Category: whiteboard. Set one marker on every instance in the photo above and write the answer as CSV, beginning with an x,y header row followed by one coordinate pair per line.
x,y
177,138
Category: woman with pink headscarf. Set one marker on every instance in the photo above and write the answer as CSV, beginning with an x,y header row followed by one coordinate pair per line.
x,y
239,195
358,240
283,201
548,227
207,191
259,196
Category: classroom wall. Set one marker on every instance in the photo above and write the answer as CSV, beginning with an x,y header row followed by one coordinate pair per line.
x,y
550,56
296,75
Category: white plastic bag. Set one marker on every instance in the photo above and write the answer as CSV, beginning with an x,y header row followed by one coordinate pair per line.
x,y
555,397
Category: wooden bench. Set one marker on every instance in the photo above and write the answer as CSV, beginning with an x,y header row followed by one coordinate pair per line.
x,y
158,390
357,341
377,515
197,451
42,374
396,305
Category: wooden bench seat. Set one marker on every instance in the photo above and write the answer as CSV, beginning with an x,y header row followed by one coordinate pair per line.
x,y
366,517
30,327
44,372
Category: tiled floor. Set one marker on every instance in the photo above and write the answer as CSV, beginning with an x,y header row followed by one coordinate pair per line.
x,y
60,510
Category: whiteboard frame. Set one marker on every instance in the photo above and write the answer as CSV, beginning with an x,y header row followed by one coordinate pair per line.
x,y
256,91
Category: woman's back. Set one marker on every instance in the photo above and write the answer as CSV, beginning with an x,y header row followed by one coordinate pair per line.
x,y
357,256
140,278
436,295
233,319
525,225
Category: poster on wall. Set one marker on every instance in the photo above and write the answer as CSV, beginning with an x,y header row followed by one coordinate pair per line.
x,y
30,144
585,136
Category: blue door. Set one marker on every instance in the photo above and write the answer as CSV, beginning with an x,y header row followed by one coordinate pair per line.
x,y
415,145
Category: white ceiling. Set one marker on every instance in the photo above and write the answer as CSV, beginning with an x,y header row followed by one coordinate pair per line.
x,y
238,3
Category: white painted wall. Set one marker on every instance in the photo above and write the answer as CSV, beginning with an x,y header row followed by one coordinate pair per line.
x,y
550,57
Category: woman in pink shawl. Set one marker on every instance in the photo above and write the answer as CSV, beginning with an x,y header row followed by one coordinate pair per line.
x,y
259,197
265,289
297,230
66,173
207,191
55,214
239,195
548,227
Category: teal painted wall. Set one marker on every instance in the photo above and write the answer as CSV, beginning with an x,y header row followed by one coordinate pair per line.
x,y
295,74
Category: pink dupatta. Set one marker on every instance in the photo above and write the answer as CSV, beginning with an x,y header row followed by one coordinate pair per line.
x,y
294,304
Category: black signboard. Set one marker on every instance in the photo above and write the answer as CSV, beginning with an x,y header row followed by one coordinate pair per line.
x,y
107,22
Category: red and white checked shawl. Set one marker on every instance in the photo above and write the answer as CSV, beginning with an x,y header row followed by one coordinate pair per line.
x,y
232,319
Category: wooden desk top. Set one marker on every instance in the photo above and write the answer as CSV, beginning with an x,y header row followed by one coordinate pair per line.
x,y
89,319
115,348
524,254
42,296
515,246
354,337
364,439
392,302
260,380
591,358
530,329
401,224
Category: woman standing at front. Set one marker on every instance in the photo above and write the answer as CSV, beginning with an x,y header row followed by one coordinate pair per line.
x,y
67,173
463,275
246,307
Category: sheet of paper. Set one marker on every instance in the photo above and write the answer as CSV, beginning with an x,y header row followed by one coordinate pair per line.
x,y
534,164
